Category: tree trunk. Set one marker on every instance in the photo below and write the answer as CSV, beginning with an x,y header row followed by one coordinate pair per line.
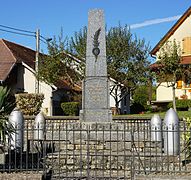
x,y
150,90
117,108
116,111
174,97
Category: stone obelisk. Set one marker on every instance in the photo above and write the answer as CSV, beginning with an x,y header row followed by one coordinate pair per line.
x,y
95,93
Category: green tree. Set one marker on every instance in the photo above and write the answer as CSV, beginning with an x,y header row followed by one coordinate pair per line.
x,y
169,68
58,64
77,44
141,96
126,59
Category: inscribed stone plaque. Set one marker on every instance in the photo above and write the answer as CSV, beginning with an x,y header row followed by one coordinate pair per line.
x,y
96,93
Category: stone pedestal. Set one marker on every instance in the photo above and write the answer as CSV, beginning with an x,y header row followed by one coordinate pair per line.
x,y
95,100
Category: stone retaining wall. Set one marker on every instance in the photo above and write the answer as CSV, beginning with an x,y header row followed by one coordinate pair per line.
x,y
20,176
163,177
92,150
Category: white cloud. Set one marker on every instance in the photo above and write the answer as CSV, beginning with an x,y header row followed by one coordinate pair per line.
x,y
154,21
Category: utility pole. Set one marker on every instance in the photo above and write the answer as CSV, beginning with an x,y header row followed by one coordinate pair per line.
x,y
37,60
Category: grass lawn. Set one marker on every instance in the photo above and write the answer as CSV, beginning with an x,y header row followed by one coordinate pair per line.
x,y
181,114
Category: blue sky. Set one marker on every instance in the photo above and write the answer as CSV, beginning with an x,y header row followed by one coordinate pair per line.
x,y
49,16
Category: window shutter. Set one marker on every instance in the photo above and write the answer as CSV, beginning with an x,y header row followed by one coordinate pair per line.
x,y
179,84
186,44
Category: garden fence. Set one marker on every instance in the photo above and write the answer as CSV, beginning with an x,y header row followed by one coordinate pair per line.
x,y
122,149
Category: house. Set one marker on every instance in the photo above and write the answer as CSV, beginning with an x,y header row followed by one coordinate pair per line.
x,y
17,64
181,33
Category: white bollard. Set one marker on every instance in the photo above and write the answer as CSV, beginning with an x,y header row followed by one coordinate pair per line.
x,y
171,133
39,127
156,128
17,121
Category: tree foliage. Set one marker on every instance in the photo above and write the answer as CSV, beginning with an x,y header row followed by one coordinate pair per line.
x,y
169,60
141,96
127,60
58,64
77,43
70,108
29,103
169,67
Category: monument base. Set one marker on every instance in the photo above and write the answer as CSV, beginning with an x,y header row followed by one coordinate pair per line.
x,y
95,115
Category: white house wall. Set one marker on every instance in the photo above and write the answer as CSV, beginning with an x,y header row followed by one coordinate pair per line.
x,y
29,86
124,106
112,100
183,31
164,93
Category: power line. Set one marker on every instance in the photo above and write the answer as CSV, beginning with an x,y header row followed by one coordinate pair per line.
x,y
24,34
43,37
13,32
45,42
46,39
22,30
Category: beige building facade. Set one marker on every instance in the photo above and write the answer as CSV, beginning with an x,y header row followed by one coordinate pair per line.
x,y
181,33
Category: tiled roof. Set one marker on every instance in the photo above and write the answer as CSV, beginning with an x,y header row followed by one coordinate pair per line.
x,y
5,68
22,53
66,85
12,53
184,60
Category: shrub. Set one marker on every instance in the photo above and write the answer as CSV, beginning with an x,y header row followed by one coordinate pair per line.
x,y
70,108
140,96
181,104
186,136
136,108
29,104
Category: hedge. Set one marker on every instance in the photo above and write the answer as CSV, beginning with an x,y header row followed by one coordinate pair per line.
x,y
70,108
181,104
29,103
